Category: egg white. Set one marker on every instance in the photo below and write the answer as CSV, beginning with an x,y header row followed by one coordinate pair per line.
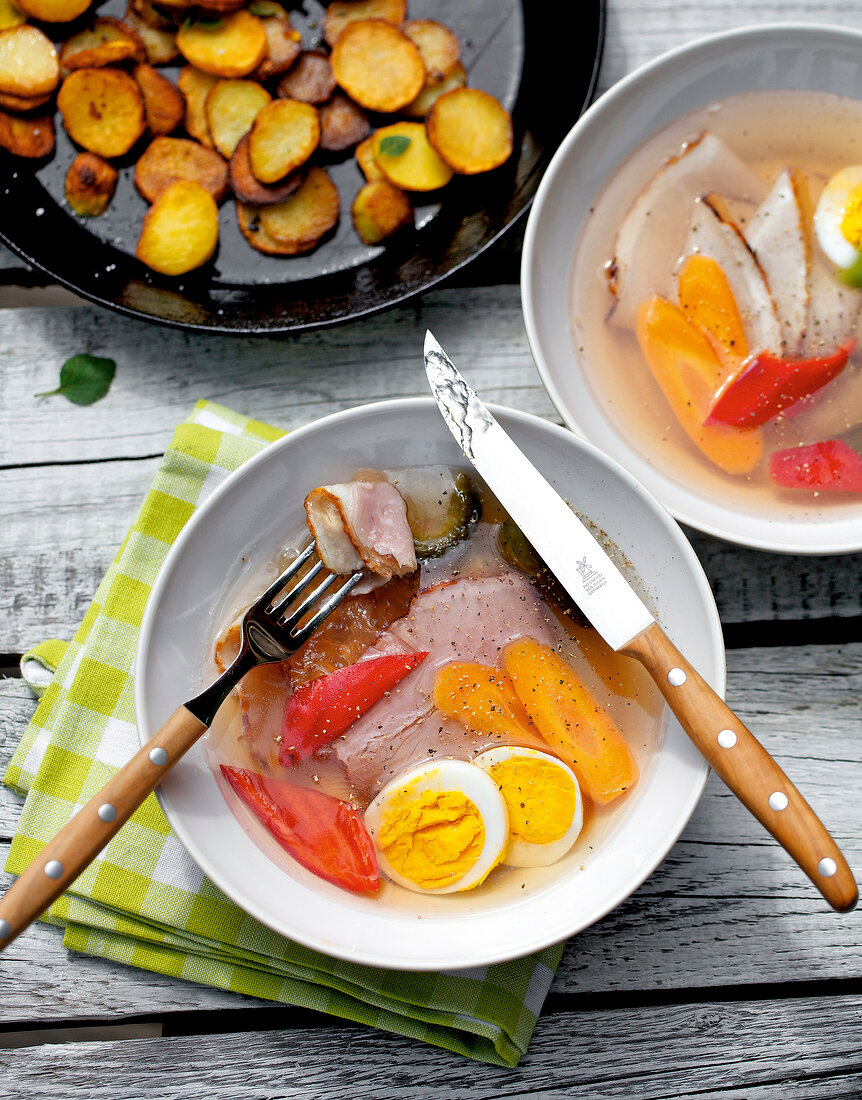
x,y
829,213
446,775
524,853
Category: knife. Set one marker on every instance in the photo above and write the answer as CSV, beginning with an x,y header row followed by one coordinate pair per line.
x,y
616,611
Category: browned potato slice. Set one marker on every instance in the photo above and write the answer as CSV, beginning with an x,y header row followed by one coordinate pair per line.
x,y
10,15
377,65
405,157
54,11
248,188
196,86
229,47
439,47
90,184
471,130
379,210
160,44
221,7
250,226
28,62
284,135
27,137
283,41
22,103
102,109
180,230
167,160
341,12
106,42
422,104
154,17
231,108
309,80
300,222
164,103
342,124
366,155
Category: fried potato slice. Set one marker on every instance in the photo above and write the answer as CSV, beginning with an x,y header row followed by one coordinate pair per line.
x,y
154,17
53,11
180,230
23,103
299,223
221,7
366,155
342,124
230,47
341,12
90,184
249,189
164,103
106,42
27,137
438,46
103,110
196,86
167,160
422,104
284,135
377,65
283,40
160,44
231,108
28,62
310,79
379,210
406,158
471,130
251,228
10,15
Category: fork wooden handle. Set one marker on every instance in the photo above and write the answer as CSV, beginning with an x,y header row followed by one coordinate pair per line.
x,y
746,767
77,845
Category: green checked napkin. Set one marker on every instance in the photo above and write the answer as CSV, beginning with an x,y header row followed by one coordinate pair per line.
x,y
143,901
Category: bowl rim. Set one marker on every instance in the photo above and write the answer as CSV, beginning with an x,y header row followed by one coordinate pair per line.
x,y
646,73
529,941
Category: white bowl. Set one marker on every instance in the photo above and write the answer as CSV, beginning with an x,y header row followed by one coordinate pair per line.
x,y
243,526
797,56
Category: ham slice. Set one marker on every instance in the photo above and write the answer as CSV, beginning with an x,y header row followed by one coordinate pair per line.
x,y
361,525
473,619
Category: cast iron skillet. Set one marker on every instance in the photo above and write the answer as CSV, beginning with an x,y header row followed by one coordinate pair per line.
x,y
541,65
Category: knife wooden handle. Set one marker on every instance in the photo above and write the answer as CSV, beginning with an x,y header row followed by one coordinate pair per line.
x,y
746,767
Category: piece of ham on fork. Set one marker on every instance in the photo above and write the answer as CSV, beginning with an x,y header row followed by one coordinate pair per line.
x,y
361,525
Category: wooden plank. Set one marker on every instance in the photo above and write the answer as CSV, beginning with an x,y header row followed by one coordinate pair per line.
x,y
807,1046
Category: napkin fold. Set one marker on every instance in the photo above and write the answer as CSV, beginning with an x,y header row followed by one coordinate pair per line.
x,y
143,901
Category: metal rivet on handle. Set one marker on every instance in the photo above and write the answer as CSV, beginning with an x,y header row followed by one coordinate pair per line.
x,y
107,812
727,739
778,800
676,677
5,929
53,868
827,867
159,757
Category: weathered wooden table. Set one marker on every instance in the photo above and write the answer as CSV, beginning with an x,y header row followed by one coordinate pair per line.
x,y
724,975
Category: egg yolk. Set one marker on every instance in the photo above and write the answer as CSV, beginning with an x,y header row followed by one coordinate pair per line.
x,y
851,219
540,797
433,838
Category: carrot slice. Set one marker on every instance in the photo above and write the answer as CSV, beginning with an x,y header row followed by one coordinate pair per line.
x,y
689,372
571,720
707,301
483,698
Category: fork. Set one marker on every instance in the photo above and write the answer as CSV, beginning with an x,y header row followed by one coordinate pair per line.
x,y
272,630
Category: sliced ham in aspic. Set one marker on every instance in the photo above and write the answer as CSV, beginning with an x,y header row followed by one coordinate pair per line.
x,y
361,524
779,241
711,234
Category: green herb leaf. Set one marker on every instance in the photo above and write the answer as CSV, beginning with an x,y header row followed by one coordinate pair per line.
x,y
84,379
264,9
209,22
393,145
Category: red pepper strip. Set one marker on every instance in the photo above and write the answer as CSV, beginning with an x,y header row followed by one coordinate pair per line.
x,y
766,385
321,710
832,466
322,833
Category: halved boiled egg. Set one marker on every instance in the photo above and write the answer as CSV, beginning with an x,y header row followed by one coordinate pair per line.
x,y
838,217
440,827
546,810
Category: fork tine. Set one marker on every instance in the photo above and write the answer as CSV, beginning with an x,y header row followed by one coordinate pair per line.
x,y
300,586
269,595
300,636
290,620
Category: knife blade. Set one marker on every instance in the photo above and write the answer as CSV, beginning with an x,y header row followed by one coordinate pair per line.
x,y
607,599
